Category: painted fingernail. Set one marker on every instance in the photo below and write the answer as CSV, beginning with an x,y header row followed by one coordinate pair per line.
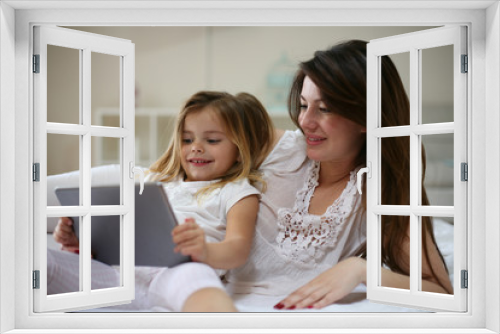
x,y
279,306
291,308
310,306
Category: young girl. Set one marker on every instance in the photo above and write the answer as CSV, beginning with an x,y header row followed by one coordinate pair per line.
x,y
210,175
209,170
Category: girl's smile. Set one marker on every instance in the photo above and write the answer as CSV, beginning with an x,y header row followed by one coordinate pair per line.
x,y
199,162
206,151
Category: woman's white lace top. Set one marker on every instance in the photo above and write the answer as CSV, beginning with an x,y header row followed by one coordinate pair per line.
x,y
291,246
304,237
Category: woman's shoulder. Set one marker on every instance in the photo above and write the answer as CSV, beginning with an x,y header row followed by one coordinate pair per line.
x,y
290,137
289,151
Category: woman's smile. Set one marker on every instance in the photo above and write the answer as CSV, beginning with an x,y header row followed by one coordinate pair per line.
x,y
314,139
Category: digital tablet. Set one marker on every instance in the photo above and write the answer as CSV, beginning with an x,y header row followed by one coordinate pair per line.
x,y
154,221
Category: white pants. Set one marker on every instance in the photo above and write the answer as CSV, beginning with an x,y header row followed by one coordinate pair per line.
x,y
164,289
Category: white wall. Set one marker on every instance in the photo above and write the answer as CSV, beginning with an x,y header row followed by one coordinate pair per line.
x,y
7,170
172,63
491,162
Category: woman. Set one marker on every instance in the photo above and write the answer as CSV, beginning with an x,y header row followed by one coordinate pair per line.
x,y
315,249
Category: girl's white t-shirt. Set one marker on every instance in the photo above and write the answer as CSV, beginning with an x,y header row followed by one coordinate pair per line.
x,y
209,210
291,246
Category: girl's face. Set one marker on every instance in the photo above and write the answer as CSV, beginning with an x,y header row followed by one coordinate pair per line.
x,y
206,151
329,137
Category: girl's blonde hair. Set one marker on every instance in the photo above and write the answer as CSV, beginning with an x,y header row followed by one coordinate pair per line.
x,y
247,125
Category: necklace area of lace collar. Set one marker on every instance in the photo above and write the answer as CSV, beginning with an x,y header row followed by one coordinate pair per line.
x,y
304,237
304,196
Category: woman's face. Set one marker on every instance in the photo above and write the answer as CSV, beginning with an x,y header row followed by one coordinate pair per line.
x,y
329,137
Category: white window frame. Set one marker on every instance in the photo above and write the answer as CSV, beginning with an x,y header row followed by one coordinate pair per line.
x,y
86,44
413,44
483,19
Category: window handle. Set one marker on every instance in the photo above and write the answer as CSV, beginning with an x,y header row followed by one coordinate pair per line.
x,y
133,170
368,171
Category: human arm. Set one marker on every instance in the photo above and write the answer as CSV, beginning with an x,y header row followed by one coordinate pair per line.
x,y
338,281
328,287
231,252
64,234
438,281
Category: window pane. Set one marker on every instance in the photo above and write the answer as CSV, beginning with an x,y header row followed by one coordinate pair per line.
x,y
438,181
394,232
106,169
63,163
59,261
105,151
166,125
437,84
63,85
106,247
105,84
111,120
142,140
402,63
443,229
62,153
395,181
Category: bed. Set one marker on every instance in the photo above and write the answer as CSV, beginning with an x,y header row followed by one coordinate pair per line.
x,y
354,302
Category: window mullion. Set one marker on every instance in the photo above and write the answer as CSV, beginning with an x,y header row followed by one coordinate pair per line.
x,y
85,227
415,93
77,129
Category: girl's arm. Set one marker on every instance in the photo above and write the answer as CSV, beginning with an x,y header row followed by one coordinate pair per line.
x,y
338,281
230,253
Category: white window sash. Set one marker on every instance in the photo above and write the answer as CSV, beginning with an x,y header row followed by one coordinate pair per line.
x,y
412,43
86,43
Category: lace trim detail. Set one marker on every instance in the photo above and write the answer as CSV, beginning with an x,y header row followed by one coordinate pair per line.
x,y
304,237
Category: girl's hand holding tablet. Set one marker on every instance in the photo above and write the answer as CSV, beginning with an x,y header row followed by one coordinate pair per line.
x,y
190,240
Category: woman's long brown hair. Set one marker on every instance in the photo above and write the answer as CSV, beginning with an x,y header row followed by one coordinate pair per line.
x,y
340,75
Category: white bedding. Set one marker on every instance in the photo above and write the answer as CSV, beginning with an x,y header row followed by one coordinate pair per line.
x,y
355,302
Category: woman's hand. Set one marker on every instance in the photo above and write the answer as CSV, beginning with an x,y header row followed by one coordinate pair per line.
x,y
329,287
190,240
64,234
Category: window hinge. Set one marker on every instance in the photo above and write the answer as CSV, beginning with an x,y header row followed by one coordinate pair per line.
x,y
36,172
465,279
465,64
36,279
464,172
36,63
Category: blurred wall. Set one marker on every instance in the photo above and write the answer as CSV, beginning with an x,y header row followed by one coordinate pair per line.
x,y
172,63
